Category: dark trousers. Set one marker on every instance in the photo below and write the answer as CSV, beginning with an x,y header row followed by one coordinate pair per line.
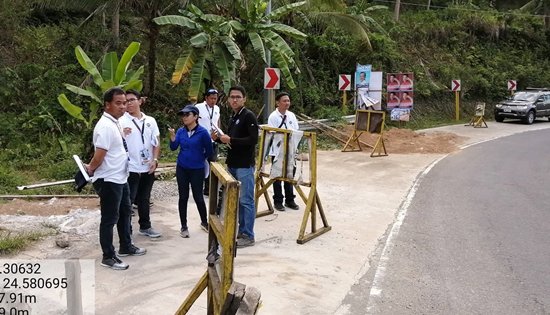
x,y
141,185
114,200
186,177
278,191
212,158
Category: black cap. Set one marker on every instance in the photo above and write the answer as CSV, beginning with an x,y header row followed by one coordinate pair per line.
x,y
189,109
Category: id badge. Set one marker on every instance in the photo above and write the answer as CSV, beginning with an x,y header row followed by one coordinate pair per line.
x,y
145,157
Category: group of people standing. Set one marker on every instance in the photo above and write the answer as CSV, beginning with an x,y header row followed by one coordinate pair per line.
x,y
127,148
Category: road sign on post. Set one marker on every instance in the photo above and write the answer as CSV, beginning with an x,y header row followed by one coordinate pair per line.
x,y
272,78
512,85
455,87
344,82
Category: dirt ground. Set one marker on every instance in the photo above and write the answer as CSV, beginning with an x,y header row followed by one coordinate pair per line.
x,y
397,141
406,141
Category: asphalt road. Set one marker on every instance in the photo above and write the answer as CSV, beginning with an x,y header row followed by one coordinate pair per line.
x,y
475,238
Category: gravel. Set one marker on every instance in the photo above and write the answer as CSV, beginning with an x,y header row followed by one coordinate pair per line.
x,y
163,189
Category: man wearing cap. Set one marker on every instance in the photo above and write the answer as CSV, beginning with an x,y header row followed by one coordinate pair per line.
x,y
242,136
142,135
283,118
209,118
109,167
195,147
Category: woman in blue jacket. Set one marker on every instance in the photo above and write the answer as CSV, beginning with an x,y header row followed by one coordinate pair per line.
x,y
195,146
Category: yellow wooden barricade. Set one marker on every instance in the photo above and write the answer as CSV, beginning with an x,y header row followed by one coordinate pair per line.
x,y
311,199
371,121
478,120
222,230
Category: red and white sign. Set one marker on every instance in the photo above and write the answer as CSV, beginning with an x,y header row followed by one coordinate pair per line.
x,y
455,85
512,85
344,82
272,78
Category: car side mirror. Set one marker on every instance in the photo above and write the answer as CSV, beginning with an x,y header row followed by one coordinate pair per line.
x,y
540,100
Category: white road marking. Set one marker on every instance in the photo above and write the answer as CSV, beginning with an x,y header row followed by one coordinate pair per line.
x,y
375,290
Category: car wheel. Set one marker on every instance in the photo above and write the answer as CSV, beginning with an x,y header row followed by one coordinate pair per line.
x,y
530,117
500,118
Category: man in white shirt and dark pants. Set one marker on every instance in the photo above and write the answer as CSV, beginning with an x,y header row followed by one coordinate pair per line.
x,y
143,138
281,117
209,118
109,168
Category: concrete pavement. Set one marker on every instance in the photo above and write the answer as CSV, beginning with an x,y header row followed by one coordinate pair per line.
x,y
360,196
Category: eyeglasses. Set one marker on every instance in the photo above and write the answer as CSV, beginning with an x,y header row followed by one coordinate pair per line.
x,y
131,100
235,97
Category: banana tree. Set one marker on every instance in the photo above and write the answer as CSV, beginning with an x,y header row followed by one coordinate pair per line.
x,y
212,51
218,42
114,72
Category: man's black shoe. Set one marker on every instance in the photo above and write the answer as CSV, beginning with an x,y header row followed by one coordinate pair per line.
x,y
292,205
279,206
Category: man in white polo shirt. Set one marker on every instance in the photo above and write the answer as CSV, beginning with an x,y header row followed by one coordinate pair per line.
x,y
109,168
142,136
283,118
209,118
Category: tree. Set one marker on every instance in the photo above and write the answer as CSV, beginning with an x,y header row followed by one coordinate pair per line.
x,y
143,9
218,41
114,72
93,7
538,7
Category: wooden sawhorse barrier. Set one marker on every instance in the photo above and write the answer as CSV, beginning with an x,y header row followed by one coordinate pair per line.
x,y
478,120
371,121
312,200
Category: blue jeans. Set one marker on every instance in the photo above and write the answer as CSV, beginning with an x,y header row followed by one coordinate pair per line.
x,y
114,200
247,212
195,178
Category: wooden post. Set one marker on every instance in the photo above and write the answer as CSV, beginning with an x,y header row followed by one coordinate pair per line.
x,y
344,102
457,105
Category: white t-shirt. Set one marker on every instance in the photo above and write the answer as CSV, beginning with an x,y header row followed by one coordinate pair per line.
x,y
146,126
275,119
208,116
108,136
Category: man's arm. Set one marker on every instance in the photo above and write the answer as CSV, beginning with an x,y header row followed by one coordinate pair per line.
x,y
156,154
97,159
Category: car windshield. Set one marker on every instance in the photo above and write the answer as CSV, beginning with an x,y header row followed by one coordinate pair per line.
x,y
525,96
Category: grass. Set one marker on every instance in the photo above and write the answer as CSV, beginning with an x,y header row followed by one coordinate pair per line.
x,y
13,242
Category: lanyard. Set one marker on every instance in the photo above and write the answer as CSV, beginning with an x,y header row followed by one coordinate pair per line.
x,y
283,122
141,130
119,131
211,114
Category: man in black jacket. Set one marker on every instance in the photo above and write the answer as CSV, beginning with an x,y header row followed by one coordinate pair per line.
x,y
242,136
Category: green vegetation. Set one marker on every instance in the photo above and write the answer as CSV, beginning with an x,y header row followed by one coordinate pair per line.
x,y
484,43
12,242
